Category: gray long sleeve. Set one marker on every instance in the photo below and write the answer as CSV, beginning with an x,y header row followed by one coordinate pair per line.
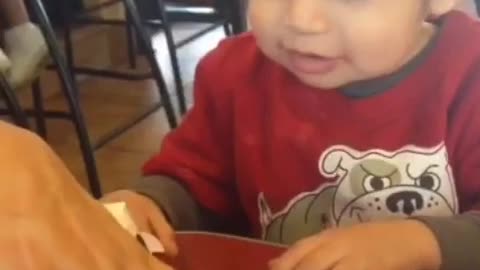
x,y
459,240
182,210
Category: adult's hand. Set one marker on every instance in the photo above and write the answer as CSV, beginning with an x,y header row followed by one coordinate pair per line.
x,y
147,217
47,221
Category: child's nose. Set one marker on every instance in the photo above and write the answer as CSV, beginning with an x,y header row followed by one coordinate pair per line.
x,y
306,16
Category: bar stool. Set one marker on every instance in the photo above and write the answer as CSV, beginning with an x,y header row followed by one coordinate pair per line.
x,y
164,15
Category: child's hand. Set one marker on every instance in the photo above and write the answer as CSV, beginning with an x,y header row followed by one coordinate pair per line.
x,y
147,216
398,245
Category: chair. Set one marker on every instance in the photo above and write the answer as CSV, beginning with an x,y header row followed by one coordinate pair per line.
x,y
73,114
69,88
222,13
67,73
163,16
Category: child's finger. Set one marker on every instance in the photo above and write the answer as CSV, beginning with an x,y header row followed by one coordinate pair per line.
x,y
156,264
290,259
163,231
345,266
325,257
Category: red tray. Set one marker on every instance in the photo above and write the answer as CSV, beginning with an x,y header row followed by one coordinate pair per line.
x,y
208,251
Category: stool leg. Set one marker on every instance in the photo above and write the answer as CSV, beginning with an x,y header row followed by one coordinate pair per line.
x,y
67,37
144,38
18,115
39,109
131,48
223,8
172,51
238,15
70,91
227,29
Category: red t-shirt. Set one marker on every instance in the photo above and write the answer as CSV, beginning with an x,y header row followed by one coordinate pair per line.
x,y
260,142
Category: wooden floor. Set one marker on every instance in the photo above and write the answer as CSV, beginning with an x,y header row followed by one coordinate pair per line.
x,y
107,104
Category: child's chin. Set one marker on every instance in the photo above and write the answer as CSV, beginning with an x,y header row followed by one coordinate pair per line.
x,y
323,83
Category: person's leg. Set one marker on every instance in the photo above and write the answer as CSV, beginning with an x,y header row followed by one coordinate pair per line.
x,y
24,43
13,12
4,62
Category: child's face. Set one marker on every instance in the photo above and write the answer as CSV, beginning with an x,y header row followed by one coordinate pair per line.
x,y
331,43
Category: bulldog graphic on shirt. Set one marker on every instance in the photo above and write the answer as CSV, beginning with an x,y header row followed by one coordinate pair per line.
x,y
368,186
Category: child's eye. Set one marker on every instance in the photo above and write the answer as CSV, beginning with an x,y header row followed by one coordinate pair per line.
x,y
373,183
429,181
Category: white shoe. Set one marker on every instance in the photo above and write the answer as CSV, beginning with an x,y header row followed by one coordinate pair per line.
x,y
4,63
27,50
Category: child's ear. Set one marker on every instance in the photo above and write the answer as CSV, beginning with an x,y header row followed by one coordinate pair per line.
x,y
438,8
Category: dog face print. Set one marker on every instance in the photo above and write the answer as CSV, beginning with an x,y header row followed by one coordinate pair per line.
x,y
377,184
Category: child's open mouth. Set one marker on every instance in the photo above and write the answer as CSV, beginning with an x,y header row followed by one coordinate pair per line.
x,y
310,63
